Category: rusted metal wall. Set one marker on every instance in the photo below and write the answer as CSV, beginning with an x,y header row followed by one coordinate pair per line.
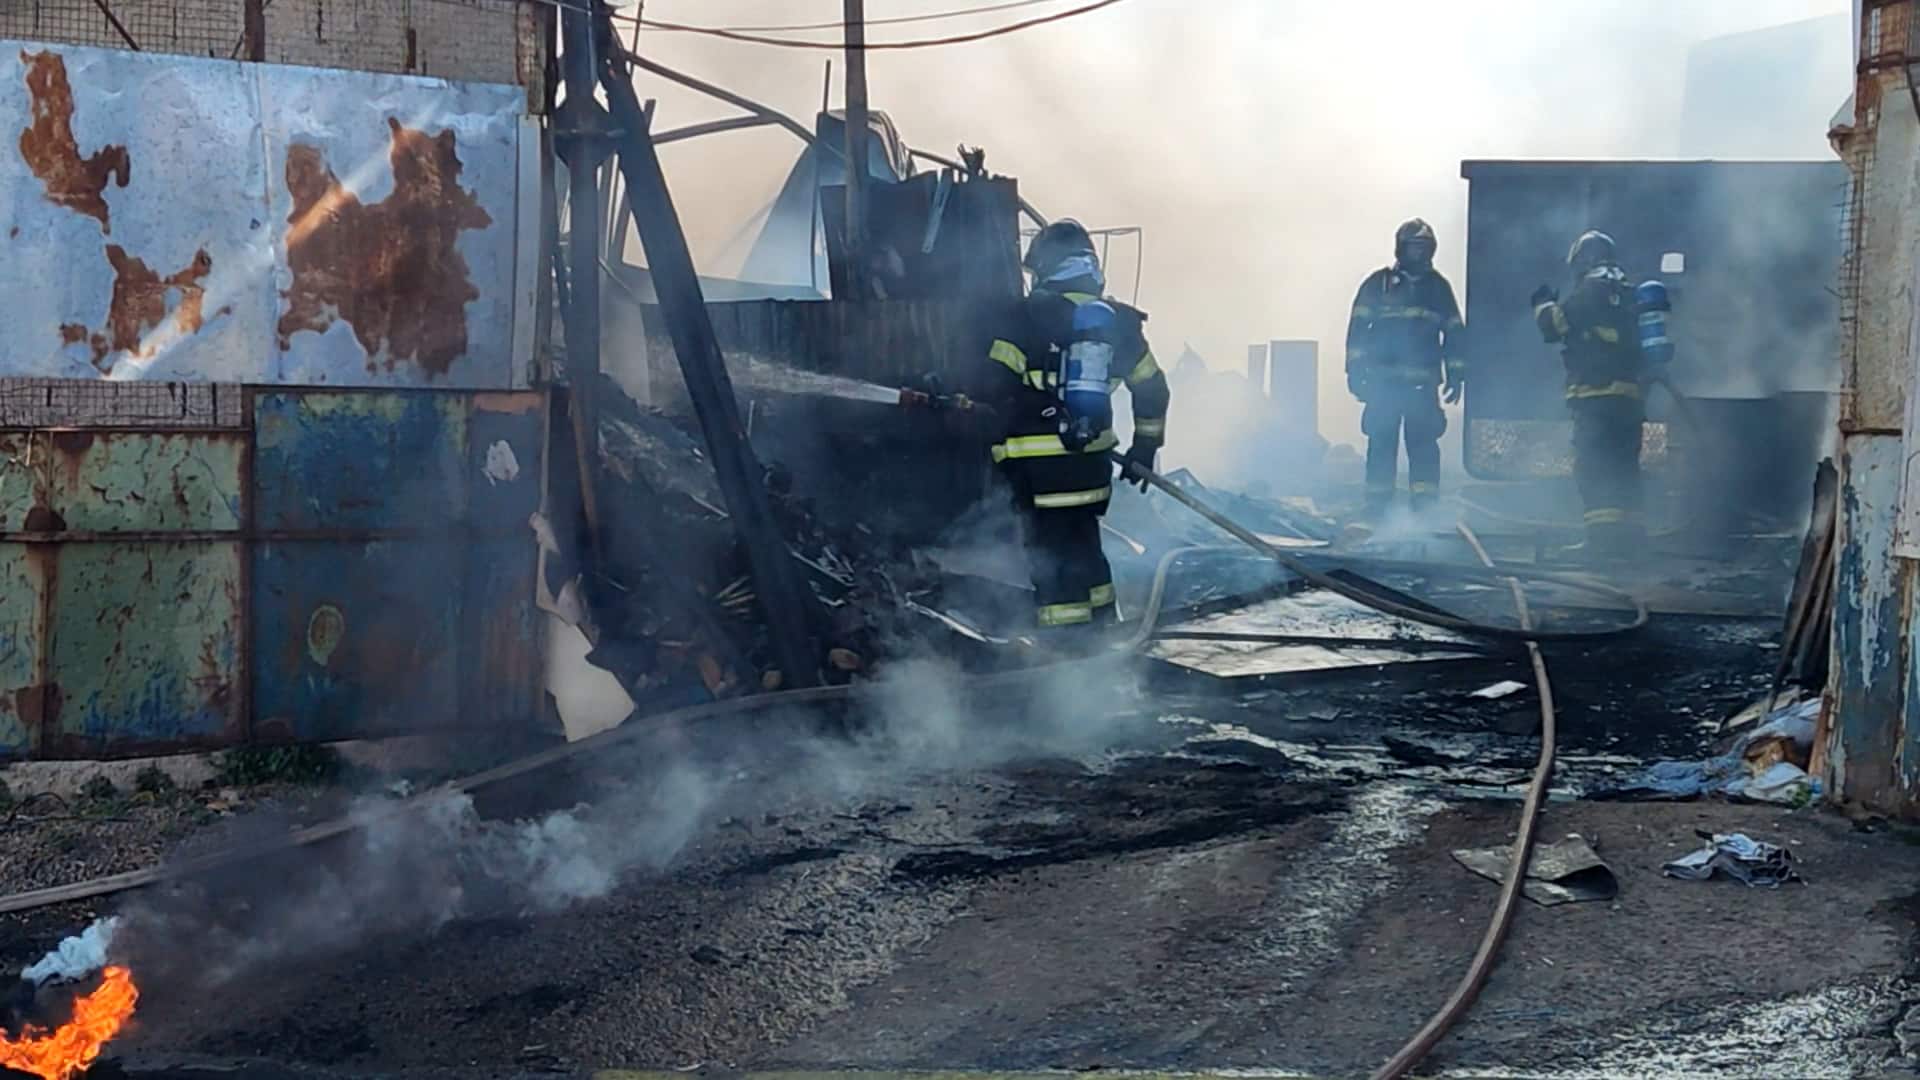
x,y
498,41
343,564
1873,745
263,224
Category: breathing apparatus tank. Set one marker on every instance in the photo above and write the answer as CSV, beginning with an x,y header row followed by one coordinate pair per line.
x,y
1085,367
1650,299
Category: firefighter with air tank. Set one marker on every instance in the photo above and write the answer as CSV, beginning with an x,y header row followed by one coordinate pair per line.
x,y
1048,380
1613,338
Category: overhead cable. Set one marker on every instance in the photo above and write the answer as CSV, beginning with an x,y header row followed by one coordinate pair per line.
x,y
874,46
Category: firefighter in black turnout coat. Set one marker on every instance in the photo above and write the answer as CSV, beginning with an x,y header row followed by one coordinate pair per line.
x,y
1049,376
1613,340
1404,345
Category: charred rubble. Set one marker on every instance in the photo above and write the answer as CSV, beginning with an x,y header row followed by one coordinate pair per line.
x,y
673,600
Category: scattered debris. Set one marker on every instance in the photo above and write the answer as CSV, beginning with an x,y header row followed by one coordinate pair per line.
x,y
1568,872
1504,688
1767,764
1739,856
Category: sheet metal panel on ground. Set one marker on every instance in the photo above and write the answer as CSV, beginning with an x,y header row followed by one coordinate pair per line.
x,y
257,223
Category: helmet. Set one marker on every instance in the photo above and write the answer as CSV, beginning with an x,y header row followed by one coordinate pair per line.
x,y
1594,248
1413,246
1056,243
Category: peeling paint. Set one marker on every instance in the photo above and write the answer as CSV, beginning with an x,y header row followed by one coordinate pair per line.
x,y
269,224
48,146
390,269
502,467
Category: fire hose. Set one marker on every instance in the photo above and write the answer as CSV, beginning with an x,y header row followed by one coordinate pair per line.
x,y
1143,632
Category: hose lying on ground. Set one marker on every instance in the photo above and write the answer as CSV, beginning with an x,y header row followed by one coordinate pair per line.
x,y
314,834
1468,989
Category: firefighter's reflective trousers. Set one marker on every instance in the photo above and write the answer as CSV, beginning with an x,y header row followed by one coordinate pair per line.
x,y
1072,582
1606,465
1394,406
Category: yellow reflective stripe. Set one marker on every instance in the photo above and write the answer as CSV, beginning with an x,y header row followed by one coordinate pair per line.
x,y
1146,369
1006,352
1032,446
1409,313
1605,333
1113,384
1612,389
1362,311
1151,429
1100,596
1608,515
1080,297
1421,487
1064,500
1454,324
1065,614
1038,378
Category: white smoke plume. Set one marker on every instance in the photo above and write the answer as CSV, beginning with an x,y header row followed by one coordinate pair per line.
x,y
78,956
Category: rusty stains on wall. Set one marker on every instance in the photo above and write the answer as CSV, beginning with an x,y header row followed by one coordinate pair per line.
x,y
50,150
391,270
139,305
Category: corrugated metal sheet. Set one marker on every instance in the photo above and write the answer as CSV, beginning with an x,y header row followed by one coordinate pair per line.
x,y
259,224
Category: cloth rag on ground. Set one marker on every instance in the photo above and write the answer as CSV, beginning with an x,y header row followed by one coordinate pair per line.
x,y
1766,764
1566,872
1739,856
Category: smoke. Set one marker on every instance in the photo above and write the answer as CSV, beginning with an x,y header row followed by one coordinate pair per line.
x,y
1267,149
77,956
411,870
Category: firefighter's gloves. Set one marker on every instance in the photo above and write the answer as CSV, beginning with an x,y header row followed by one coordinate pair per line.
x,y
1357,384
1545,294
1141,453
1455,384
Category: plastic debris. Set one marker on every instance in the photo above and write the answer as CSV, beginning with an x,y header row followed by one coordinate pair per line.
x,y
1568,872
1506,688
1739,856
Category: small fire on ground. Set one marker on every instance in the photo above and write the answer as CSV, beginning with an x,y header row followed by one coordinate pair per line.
x,y
68,1050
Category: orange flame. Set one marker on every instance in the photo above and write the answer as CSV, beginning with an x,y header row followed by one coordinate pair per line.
x,y
60,1054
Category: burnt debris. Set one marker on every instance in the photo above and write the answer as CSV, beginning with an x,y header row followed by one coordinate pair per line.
x,y
675,605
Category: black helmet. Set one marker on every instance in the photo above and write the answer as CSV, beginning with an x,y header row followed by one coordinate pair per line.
x,y
1594,248
1059,241
1414,244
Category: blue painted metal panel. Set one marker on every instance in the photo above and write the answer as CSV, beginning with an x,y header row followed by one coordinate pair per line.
x,y
1869,628
505,436
352,639
359,461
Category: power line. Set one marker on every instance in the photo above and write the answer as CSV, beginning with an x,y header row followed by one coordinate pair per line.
x,y
984,9
923,43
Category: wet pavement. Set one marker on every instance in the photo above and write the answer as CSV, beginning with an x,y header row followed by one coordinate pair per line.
x,y
1220,875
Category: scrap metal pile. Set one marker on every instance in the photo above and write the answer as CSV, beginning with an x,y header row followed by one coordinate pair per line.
x,y
674,605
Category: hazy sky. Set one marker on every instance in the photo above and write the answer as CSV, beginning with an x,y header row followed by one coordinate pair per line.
x,y
1268,147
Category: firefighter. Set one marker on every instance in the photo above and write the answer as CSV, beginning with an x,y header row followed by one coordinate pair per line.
x,y
1404,345
1049,378
1599,327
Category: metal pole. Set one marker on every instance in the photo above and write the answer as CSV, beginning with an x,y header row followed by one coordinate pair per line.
x,y
581,143
785,599
856,20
